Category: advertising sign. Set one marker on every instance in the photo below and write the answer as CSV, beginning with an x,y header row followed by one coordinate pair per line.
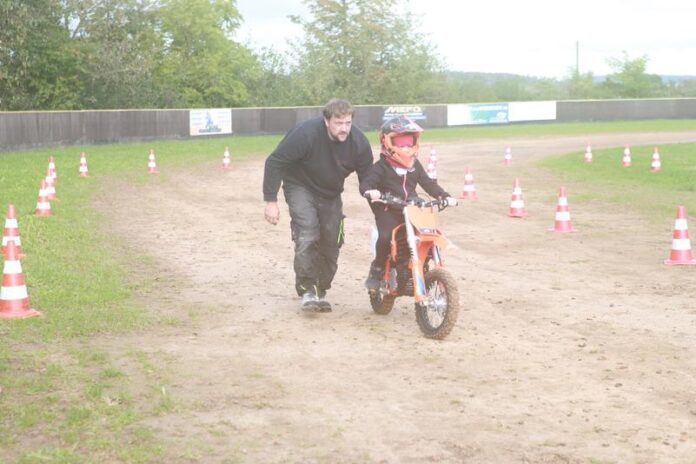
x,y
212,121
412,112
484,113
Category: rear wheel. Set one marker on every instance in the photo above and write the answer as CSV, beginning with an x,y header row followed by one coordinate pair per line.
x,y
381,304
437,314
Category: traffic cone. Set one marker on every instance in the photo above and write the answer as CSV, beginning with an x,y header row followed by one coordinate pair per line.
x,y
431,169
656,164
562,223
152,164
517,202
469,192
681,244
50,186
14,300
588,153
43,205
84,172
507,159
11,232
226,163
52,168
627,157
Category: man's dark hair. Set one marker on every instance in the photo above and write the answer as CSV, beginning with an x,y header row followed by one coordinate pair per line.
x,y
337,107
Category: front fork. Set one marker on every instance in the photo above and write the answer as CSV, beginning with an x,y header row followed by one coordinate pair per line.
x,y
419,290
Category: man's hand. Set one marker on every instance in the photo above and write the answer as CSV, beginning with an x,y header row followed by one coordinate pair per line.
x,y
272,213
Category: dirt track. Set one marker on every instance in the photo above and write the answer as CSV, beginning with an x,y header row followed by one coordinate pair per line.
x,y
571,348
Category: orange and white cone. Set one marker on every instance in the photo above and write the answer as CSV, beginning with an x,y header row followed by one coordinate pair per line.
x,y
626,157
469,192
588,154
226,163
152,163
43,205
431,169
681,244
517,202
14,300
52,168
656,164
562,223
507,159
84,172
11,232
50,185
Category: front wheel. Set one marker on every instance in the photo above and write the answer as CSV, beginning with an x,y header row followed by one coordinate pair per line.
x,y
437,313
382,304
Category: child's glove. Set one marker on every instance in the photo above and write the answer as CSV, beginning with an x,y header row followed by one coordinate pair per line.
x,y
451,201
372,195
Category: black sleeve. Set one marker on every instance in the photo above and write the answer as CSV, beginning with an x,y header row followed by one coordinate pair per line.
x,y
371,178
294,146
429,185
364,161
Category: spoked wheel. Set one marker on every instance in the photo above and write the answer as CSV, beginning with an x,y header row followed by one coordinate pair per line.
x,y
381,304
437,314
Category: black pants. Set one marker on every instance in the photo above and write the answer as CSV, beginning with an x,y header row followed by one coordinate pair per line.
x,y
316,224
386,221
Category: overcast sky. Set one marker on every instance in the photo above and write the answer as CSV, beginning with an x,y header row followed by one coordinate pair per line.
x,y
532,37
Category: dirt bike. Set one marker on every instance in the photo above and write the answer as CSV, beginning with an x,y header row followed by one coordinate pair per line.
x,y
415,267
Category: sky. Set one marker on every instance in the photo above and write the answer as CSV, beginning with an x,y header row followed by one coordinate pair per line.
x,y
532,38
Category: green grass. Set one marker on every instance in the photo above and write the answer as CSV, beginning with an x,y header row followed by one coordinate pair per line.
x,y
555,129
79,403
653,194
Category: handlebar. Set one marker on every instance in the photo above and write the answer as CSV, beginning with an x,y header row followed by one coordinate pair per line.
x,y
390,200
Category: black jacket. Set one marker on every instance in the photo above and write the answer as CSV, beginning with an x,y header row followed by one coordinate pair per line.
x,y
307,156
383,177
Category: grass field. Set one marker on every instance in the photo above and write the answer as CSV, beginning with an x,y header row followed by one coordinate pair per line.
x,y
53,386
636,187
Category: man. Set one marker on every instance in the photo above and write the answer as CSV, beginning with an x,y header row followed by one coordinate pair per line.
x,y
312,162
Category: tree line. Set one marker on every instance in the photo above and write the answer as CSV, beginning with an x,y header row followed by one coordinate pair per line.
x,y
103,54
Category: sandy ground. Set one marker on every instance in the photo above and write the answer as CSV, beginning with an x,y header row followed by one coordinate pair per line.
x,y
570,348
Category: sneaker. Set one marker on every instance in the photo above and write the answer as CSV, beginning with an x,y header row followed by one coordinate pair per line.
x,y
374,278
322,302
310,302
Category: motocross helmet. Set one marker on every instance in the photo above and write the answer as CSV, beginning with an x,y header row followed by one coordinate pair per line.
x,y
400,139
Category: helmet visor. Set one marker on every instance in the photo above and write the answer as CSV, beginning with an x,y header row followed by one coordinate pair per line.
x,y
403,140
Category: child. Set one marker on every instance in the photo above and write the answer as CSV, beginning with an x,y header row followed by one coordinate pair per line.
x,y
396,172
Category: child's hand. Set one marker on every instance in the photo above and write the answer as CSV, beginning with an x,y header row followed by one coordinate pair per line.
x,y
372,195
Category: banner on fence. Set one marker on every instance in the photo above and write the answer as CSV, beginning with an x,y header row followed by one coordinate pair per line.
x,y
411,112
483,113
532,111
500,113
211,121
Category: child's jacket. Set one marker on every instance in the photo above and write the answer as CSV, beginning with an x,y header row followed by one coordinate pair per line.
x,y
400,182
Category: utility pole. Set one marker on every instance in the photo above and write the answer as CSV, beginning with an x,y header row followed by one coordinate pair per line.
x,y
577,57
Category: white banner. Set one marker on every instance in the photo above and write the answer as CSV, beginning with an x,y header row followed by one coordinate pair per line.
x,y
477,113
210,121
500,113
532,111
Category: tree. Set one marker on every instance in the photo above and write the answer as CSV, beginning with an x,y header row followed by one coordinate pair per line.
x,y
200,65
630,80
580,85
685,88
275,85
37,60
363,50
118,48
